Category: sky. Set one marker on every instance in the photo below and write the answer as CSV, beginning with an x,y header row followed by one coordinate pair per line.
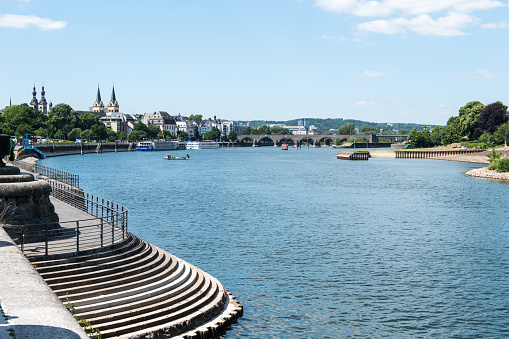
x,y
379,61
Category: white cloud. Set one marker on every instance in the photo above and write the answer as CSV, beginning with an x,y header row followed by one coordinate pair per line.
x,y
400,16
482,73
449,25
364,103
405,7
24,21
495,25
372,74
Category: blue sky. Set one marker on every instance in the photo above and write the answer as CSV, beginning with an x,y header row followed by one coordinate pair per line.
x,y
381,61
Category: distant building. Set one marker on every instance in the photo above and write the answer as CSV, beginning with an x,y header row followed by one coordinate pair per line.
x,y
161,119
98,105
297,130
303,122
41,105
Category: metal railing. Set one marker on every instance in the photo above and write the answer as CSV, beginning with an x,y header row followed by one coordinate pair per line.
x,y
64,237
111,212
52,173
65,177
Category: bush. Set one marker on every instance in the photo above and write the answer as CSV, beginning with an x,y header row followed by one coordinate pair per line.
x,y
500,165
487,139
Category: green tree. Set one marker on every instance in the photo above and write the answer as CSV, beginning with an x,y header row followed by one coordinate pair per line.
x,y
74,134
22,130
232,135
99,132
87,120
501,134
121,136
197,117
41,132
111,134
467,119
367,130
491,117
86,134
140,126
17,115
437,135
137,135
62,117
153,131
183,134
215,134
246,131
347,129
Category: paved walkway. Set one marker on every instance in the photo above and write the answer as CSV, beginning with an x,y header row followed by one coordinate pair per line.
x,y
68,239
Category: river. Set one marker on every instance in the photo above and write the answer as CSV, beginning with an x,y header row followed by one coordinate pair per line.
x,y
324,248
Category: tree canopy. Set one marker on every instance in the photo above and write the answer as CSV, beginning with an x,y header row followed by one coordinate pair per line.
x,y
490,118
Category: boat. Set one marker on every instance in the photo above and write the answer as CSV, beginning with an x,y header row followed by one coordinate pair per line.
x,y
285,147
162,145
145,146
202,145
169,157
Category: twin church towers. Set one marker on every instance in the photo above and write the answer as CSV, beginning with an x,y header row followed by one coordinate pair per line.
x,y
98,106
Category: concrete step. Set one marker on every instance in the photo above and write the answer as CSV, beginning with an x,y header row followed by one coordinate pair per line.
x,y
137,289
170,268
107,267
160,317
109,299
148,301
51,260
125,252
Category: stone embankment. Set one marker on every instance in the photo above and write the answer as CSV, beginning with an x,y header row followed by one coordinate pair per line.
x,y
488,174
136,290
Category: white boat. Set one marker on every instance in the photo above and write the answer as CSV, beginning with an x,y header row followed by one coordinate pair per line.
x,y
166,145
202,145
145,146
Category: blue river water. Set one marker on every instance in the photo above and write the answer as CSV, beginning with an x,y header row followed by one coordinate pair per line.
x,y
315,247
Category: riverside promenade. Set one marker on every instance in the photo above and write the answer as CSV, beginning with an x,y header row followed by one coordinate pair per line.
x,y
120,284
28,306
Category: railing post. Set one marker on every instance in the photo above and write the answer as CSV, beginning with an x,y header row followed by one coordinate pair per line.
x,y
46,238
112,234
102,232
77,236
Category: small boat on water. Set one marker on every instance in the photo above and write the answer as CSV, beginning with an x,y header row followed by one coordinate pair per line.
x,y
285,147
169,157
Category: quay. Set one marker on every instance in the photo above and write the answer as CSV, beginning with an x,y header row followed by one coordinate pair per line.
x,y
121,285
469,155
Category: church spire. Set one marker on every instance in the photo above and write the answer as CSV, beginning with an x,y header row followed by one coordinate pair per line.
x,y
113,104
34,103
98,104
43,105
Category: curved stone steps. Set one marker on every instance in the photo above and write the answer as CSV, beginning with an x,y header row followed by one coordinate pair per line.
x,y
55,259
135,288
103,279
132,308
172,271
91,269
94,262
111,303
194,312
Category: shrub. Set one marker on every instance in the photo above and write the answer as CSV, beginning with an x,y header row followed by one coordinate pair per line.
x,y
500,165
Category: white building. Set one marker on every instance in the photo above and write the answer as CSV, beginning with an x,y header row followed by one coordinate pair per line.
x,y
162,119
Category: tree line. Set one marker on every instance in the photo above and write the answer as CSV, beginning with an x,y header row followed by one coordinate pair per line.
x,y
482,125
62,122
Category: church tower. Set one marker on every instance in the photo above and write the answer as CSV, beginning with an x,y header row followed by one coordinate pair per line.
x,y
98,104
43,105
113,104
34,103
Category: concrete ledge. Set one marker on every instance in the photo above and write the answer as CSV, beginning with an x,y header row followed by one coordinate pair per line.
x,y
30,308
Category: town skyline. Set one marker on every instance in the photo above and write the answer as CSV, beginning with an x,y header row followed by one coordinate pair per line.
x,y
412,62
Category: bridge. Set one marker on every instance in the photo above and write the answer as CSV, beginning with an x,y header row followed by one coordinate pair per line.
x,y
297,140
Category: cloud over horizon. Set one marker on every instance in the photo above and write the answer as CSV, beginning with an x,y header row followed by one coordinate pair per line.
x,y
24,21
449,18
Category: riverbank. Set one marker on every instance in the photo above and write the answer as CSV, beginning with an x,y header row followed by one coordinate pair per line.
x,y
488,174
